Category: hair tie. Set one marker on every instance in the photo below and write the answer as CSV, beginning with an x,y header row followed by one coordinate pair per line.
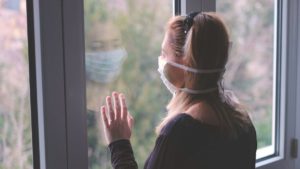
x,y
188,21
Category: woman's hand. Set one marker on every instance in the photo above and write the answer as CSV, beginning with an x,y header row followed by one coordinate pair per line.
x,y
117,121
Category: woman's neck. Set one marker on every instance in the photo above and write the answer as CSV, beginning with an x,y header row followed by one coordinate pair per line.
x,y
203,112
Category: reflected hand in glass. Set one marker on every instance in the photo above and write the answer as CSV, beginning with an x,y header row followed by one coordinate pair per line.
x,y
117,121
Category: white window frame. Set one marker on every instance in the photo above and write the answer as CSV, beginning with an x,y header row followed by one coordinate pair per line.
x,y
57,77
56,57
297,46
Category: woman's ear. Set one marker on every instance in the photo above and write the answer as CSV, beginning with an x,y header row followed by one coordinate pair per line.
x,y
180,60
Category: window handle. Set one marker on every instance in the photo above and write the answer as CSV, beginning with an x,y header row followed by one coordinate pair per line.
x,y
294,148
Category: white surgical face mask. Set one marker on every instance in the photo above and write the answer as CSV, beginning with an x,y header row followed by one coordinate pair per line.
x,y
172,88
104,66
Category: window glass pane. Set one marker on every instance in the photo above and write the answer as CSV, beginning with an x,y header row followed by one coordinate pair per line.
x,y
15,120
123,40
250,70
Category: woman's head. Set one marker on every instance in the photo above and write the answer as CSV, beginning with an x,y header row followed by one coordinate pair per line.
x,y
199,41
204,47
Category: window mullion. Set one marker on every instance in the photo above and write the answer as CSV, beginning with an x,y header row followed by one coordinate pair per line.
x,y
74,56
199,5
46,45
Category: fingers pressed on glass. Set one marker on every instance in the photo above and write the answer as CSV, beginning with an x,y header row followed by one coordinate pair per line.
x,y
123,107
104,117
110,108
117,107
130,120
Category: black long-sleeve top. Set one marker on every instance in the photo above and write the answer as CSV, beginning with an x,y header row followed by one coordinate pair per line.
x,y
186,143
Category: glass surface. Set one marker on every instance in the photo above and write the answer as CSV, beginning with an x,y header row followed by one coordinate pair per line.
x,y
122,42
251,65
15,120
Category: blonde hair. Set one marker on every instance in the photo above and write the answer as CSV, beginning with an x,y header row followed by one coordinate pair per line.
x,y
205,46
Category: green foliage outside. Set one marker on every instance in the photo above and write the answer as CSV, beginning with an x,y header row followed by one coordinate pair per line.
x,y
139,80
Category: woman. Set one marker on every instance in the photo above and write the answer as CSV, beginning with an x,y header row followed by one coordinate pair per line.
x,y
205,127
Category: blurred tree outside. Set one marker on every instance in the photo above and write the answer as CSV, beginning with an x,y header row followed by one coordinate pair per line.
x,y
15,123
140,27
250,68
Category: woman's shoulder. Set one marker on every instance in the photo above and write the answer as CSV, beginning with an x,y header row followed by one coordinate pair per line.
x,y
187,134
185,124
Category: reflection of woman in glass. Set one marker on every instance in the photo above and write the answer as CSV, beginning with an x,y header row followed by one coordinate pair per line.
x,y
205,127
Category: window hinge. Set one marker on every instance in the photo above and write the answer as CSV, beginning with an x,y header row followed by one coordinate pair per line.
x,y
294,148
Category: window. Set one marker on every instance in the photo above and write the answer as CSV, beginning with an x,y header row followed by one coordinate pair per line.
x,y
66,80
121,52
15,112
252,70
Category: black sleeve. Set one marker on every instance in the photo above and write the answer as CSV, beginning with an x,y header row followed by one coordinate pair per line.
x,y
171,150
122,155
166,154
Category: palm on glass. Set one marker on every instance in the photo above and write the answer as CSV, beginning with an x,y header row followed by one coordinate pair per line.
x,y
117,121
